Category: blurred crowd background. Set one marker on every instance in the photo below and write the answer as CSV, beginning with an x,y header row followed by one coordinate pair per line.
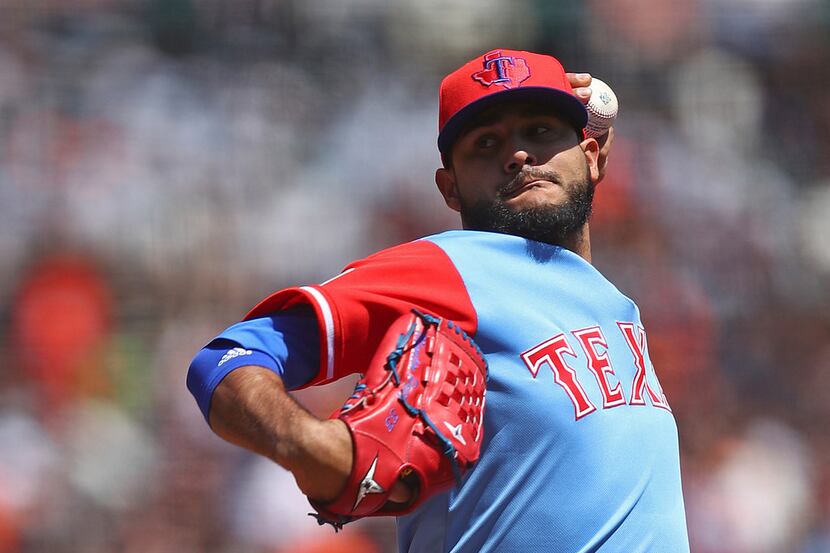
x,y
164,164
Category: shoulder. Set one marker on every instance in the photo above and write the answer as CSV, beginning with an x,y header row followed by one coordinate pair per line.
x,y
428,257
414,272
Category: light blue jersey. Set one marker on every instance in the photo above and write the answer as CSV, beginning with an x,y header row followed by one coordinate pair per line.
x,y
564,467
580,447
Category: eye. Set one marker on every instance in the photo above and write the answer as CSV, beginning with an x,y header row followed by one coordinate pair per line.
x,y
485,141
545,131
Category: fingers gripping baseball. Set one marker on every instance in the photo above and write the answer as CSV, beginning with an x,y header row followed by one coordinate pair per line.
x,y
581,83
416,415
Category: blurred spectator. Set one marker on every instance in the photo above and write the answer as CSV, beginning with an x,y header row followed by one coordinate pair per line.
x,y
61,321
756,498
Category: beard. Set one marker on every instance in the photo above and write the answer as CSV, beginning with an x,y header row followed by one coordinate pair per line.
x,y
551,224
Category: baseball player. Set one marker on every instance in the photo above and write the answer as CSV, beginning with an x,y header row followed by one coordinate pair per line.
x,y
578,449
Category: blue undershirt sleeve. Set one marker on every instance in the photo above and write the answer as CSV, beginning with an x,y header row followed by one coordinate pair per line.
x,y
286,342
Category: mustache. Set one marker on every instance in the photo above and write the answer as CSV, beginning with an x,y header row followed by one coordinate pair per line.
x,y
526,176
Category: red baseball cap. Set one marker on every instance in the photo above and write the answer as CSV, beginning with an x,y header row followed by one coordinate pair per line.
x,y
500,75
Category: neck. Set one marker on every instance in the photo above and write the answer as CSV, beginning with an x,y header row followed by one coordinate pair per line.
x,y
580,243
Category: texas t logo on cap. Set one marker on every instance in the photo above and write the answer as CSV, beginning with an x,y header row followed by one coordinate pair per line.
x,y
472,88
508,71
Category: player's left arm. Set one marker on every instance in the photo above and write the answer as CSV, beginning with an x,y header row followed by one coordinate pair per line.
x,y
240,381
580,82
251,408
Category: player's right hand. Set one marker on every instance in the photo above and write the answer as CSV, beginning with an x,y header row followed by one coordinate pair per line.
x,y
580,83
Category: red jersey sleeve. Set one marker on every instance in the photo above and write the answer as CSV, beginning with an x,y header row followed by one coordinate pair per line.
x,y
355,308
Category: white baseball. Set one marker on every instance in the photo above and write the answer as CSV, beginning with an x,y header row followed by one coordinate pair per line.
x,y
602,109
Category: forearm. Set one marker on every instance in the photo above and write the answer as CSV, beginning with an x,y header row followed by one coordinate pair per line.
x,y
252,409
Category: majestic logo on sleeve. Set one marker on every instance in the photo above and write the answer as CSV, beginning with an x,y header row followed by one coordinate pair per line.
x,y
507,71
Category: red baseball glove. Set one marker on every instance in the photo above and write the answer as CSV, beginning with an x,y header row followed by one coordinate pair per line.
x,y
415,415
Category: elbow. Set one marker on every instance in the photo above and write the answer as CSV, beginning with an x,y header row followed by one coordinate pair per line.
x,y
206,371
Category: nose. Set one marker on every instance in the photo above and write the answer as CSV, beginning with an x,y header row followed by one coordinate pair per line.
x,y
518,159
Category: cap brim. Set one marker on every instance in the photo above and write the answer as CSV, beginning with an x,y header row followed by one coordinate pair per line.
x,y
564,104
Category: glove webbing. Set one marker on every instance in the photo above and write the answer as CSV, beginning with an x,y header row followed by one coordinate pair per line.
x,y
392,363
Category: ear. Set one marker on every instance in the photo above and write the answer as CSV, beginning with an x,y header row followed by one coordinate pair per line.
x,y
590,149
445,179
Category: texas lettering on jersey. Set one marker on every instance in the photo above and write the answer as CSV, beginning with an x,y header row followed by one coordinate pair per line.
x,y
552,353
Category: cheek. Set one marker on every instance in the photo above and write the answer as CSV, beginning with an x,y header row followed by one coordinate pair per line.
x,y
476,185
570,164
568,157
